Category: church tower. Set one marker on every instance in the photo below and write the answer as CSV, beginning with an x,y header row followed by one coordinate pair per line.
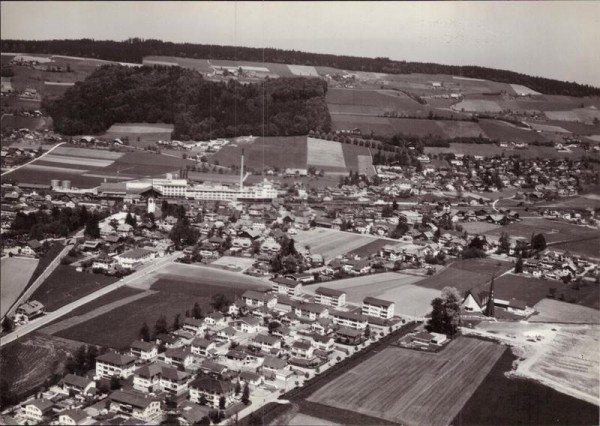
x,y
151,205
489,309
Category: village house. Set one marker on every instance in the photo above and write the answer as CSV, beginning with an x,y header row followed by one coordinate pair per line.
x,y
330,297
193,325
36,410
349,319
74,417
212,390
154,377
302,349
257,298
144,351
202,347
310,311
113,364
179,357
215,319
136,405
133,258
73,385
247,324
266,342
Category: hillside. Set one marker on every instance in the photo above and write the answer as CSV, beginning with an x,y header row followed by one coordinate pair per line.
x,y
198,109
134,50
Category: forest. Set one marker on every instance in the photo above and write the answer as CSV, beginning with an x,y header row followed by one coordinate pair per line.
x,y
134,50
199,109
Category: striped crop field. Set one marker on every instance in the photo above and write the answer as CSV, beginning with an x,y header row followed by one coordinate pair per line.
x,y
414,388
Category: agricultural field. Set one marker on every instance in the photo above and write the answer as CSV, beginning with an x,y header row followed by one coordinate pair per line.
x,y
501,130
488,149
410,300
140,134
366,124
523,90
27,362
550,310
331,243
65,285
303,70
19,122
175,290
562,356
548,128
409,387
16,273
417,127
274,152
461,129
201,65
530,402
455,276
477,105
370,248
589,247
305,420
88,168
584,115
476,228
358,158
234,263
372,102
326,155
554,231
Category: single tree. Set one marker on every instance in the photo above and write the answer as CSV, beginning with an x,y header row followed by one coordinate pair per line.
x,y
538,242
161,325
8,324
144,333
220,302
197,311
238,388
246,394
177,322
222,402
519,265
115,383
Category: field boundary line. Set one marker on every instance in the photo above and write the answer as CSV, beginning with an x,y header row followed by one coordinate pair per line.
x,y
35,159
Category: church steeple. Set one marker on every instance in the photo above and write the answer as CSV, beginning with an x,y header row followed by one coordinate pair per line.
x,y
489,309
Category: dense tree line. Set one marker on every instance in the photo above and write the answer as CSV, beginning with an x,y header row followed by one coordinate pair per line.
x,y
198,108
55,222
134,50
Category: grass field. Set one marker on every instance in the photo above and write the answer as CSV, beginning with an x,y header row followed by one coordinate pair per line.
x,y
372,101
477,105
501,130
409,387
326,155
16,273
66,285
554,231
280,152
28,362
462,279
369,248
500,400
584,115
140,134
479,227
410,300
303,70
461,129
551,310
358,158
19,122
590,246
366,124
417,127
467,149
331,243
548,128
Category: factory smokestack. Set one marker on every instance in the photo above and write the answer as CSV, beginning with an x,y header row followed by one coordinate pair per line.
x,y
242,171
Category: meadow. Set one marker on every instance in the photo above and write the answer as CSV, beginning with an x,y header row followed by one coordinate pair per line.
x,y
409,387
140,134
326,155
550,310
331,243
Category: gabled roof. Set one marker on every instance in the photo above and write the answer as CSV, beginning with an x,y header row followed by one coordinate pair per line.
x,y
143,346
274,363
132,398
377,302
76,414
42,404
201,343
210,385
329,292
76,381
286,282
116,359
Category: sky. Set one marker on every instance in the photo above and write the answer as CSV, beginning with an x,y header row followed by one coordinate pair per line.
x,y
551,39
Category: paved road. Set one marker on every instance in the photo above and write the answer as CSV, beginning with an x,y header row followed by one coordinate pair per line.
x,y
52,316
35,159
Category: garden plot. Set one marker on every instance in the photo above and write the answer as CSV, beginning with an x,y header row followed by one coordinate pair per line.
x,y
325,154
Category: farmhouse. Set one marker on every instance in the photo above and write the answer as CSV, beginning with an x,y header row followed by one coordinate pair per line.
x,y
377,308
330,297
135,404
113,364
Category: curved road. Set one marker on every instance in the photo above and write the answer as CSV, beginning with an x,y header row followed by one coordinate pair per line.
x,y
52,316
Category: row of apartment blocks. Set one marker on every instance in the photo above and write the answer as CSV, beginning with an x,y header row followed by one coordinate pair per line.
x,y
324,297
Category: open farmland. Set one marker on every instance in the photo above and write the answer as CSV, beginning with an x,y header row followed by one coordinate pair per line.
x,y
173,292
366,124
564,357
326,155
18,122
589,246
501,130
372,102
462,279
488,149
477,105
140,134
15,275
409,387
584,115
411,300
548,128
461,129
475,228
331,243
274,152
523,90
27,362
358,158
554,231
303,70
65,285
550,310
416,127
87,167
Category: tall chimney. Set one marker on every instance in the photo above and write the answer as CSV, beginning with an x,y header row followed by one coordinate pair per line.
x,y
242,171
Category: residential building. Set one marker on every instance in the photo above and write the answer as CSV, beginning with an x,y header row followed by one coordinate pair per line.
x,y
36,410
133,258
202,347
114,364
379,308
349,319
286,286
136,405
330,297
258,298
212,390
144,351
72,384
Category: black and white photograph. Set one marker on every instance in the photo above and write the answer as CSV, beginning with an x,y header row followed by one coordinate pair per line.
x,y
300,213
